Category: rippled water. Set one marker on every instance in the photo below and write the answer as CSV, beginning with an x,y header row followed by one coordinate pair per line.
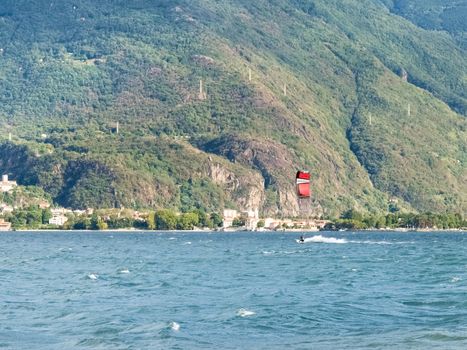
x,y
233,291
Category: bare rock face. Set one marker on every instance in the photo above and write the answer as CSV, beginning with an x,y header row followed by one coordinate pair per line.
x,y
288,203
275,163
246,190
222,176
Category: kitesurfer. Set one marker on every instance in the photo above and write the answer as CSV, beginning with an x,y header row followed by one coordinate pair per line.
x,y
302,239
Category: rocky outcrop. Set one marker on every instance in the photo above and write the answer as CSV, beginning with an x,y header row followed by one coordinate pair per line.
x,y
246,190
276,164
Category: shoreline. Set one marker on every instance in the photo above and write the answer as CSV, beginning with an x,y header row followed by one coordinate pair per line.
x,y
130,230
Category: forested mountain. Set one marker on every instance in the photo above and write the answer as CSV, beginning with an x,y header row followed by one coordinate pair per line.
x,y
448,15
103,102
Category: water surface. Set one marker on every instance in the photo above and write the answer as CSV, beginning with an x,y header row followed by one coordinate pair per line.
x,y
233,291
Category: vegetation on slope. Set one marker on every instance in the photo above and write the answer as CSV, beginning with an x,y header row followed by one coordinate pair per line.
x,y
72,71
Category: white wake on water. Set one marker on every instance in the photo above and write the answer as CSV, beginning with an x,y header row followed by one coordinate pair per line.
x,y
322,239
333,240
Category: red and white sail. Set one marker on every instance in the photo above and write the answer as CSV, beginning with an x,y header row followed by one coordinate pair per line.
x,y
303,184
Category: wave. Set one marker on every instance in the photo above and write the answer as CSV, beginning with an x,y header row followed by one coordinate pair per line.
x,y
372,242
381,242
124,271
245,313
174,326
268,252
93,276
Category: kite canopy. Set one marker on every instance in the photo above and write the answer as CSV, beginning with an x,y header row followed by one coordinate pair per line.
x,y
303,184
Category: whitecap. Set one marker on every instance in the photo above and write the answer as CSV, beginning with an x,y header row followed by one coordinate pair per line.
x,y
172,238
93,276
174,326
373,242
187,243
322,239
267,252
124,271
381,242
245,313
455,279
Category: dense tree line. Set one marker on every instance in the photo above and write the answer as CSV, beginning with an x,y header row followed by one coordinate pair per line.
x,y
34,217
354,220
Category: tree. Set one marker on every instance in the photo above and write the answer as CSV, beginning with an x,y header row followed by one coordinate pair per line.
x,y
97,223
33,216
187,221
151,221
381,222
238,222
352,215
260,223
166,220
203,218
101,224
94,222
370,221
216,220
82,223
46,215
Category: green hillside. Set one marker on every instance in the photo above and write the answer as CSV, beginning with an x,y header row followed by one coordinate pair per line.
x,y
448,15
375,104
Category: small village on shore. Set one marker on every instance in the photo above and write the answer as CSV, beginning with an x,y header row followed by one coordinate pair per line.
x,y
29,213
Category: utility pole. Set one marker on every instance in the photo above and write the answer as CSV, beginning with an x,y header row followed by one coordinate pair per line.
x,y
118,127
202,94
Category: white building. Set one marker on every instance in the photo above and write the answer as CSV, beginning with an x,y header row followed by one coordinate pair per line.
x,y
4,226
58,220
229,217
58,216
6,185
252,219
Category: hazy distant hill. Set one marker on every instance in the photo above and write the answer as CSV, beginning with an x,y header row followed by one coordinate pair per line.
x,y
375,103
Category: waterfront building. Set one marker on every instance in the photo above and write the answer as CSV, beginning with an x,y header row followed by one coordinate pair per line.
x,y
252,219
58,220
5,226
229,217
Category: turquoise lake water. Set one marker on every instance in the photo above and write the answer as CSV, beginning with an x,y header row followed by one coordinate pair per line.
x,y
233,291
